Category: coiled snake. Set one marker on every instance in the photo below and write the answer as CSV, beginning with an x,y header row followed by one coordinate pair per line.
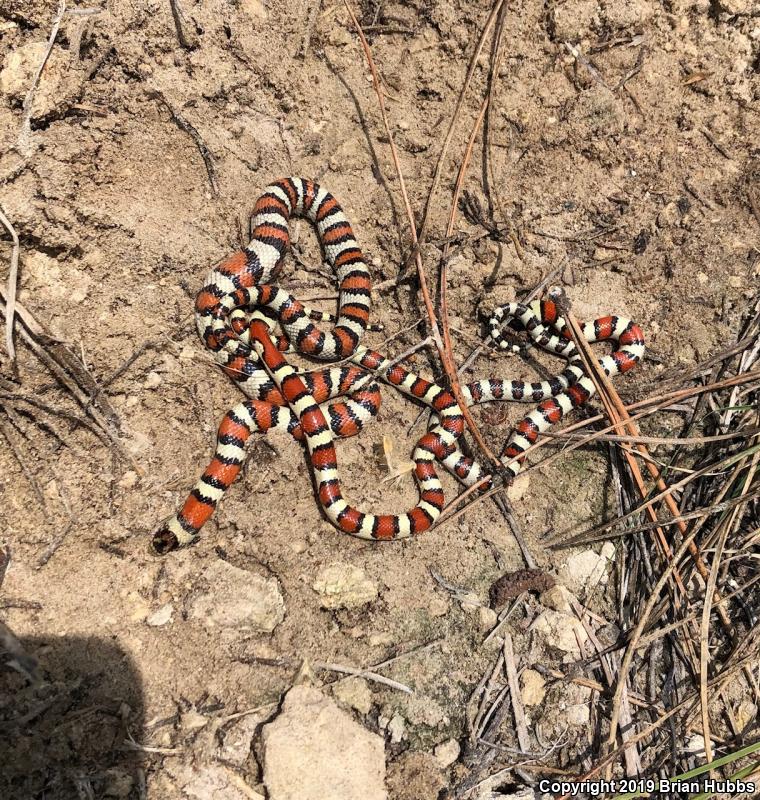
x,y
236,312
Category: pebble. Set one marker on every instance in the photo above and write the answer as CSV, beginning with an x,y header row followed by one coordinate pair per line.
x,y
487,619
559,598
384,639
355,693
343,585
438,606
588,569
560,631
239,599
128,480
447,753
313,750
533,687
153,381
160,617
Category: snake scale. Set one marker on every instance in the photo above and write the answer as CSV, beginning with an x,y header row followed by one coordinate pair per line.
x,y
237,311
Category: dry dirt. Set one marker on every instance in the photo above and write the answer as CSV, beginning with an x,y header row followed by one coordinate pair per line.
x,y
629,171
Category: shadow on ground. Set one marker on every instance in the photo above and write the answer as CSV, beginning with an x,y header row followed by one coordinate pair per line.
x,y
64,738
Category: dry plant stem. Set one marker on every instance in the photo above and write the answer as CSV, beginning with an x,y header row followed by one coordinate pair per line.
x,y
616,414
514,692
10,302
22,461
22,143
728,527
448,354
647,611
633,429
192,132
649,405
66,381
717,682
443,352
455,116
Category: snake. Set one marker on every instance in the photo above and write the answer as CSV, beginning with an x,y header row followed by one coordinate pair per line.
x,y
237,312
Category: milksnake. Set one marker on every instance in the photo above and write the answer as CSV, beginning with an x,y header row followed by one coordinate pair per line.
x,y
236,313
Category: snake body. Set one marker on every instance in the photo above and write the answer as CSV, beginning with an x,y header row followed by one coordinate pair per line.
x,y
236,311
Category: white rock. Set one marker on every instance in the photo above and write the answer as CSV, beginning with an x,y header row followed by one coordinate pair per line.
x,y
447,753
533,691
128,480
586,570
561,631
354,692
343,585
559,598
315,751
153,380
239,599
160,617
396,728
487,619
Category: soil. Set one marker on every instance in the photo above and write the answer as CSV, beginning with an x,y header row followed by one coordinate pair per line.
x,y
627,169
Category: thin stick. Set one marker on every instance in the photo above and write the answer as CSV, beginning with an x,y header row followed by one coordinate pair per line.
x,y
22,143
190,129
514,692
10,298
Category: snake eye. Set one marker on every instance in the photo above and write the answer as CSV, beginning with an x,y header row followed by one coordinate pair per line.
x,y
164,541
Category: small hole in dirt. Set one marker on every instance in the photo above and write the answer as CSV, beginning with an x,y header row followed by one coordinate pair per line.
x,y
227,30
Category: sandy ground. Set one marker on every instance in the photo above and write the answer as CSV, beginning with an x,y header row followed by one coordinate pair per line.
x,y
631,175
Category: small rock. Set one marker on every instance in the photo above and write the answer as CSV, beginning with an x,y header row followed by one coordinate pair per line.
x,y
559,598
745,713
487,619
57,86
533,691
160,617
420,710
314,751
447,753
256,9
153,380
702,278
519,486
587,570
128,480
575,705
344,586
396,728
299,546
354,692
669,216
438,606
239,599
561,631
695,744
